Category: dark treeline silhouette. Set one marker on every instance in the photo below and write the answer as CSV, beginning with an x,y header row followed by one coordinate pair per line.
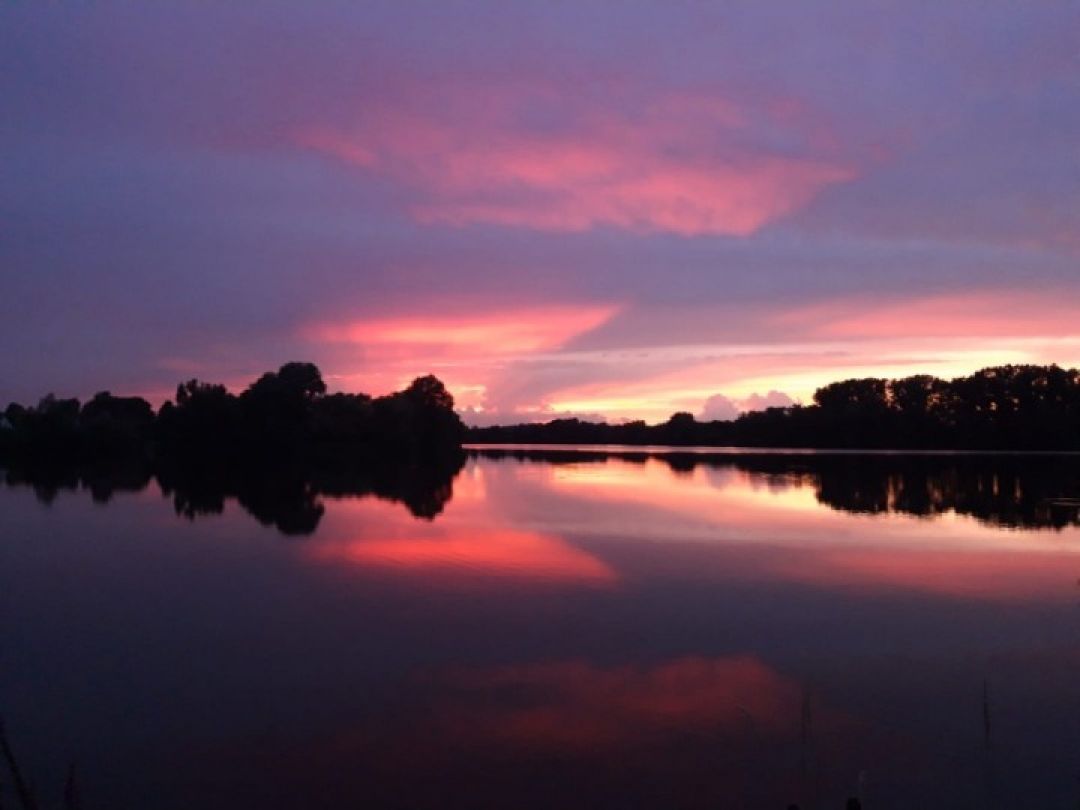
x,y
285,414
1002,408
1013,491
277,447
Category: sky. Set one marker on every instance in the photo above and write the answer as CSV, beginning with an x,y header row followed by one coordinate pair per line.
x,y
603,209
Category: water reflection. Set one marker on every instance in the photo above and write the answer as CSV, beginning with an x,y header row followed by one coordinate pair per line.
x,y
289,498
578,706
1010,490
764,520
527,556
688,733
653,632
1013,491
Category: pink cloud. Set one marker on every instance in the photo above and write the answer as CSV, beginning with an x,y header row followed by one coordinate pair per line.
x,y
500,332
683,163
527,363
466,350
723,408
773,399
719,408
802,348
991,313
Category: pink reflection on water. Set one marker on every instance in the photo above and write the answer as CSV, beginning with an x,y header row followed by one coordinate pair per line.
x,y
470,542
569,705
493,553
620,523
487,732
747,526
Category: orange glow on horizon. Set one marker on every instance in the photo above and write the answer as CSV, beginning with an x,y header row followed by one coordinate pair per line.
x,y
799,369
534,363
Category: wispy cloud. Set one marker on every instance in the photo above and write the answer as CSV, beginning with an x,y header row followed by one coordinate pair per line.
x,y
503,331
687,164
972,314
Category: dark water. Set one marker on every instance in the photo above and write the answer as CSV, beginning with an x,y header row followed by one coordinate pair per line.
x,y
552,630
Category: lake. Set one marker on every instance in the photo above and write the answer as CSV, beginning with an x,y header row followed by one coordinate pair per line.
x,y
551,628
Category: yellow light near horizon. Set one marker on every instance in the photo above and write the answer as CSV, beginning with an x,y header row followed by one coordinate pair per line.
x,y
655,400
802,385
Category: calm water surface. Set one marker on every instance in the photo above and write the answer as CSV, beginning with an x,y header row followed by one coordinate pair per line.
x,y
556,629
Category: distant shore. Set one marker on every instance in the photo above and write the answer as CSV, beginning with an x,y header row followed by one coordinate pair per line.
x,y
288,414
1004,408
720,450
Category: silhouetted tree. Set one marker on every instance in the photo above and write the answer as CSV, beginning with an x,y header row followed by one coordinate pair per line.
x,y
276,408
339,420
115,424
680,428
205,418
265,447
421,418
287,412
430,394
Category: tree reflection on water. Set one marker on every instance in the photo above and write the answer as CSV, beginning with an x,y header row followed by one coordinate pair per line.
x,y
1021,491
285,496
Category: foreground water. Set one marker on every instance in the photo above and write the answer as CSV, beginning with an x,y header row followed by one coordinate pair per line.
x,y
555,629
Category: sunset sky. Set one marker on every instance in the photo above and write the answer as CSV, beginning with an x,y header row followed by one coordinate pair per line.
x,y
613,209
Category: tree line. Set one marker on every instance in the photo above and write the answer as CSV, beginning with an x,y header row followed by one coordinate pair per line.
x,y
288,415
285,416
1013,407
